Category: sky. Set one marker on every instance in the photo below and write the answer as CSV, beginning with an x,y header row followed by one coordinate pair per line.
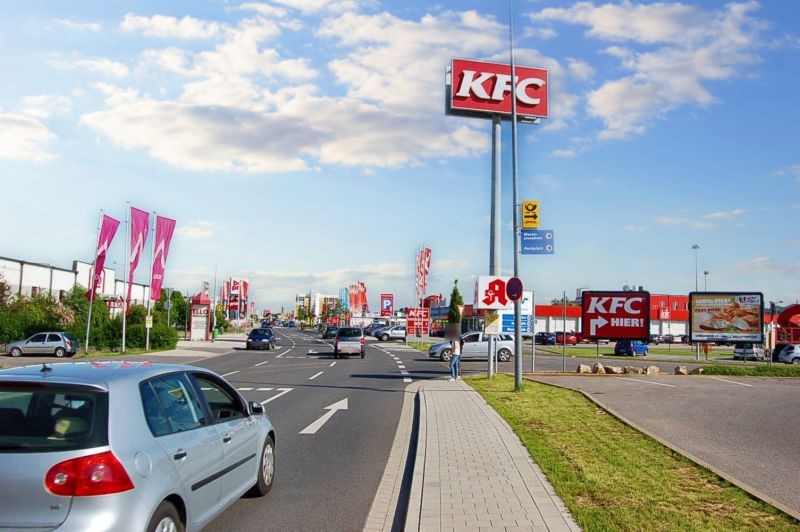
x,y
303,144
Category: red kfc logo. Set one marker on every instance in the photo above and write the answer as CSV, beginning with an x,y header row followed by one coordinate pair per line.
x,y
483,87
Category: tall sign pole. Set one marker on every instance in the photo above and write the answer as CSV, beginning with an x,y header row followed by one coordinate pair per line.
x,y
515,181
127,266
495,235
91,283
150,296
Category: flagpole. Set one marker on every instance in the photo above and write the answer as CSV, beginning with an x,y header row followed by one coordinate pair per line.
x,y
150,299
91,283
127,266
214,305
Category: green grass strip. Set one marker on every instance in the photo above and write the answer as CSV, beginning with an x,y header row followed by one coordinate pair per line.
x,y
612,477
752,370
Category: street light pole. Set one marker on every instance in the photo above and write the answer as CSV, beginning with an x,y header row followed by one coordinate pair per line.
x,y
705,280
696,248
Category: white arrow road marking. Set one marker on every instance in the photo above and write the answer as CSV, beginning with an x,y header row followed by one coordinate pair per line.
x,y
315,375
283,391
231,373
261,363
595,323
732,382
331,410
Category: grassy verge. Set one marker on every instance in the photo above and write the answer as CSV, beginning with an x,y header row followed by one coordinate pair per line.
x,y
612,477
775,370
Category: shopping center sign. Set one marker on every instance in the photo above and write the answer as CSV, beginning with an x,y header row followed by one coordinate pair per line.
x,y
615,315
482,88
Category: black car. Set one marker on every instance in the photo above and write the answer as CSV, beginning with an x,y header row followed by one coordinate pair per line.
x,y
545,338
330,331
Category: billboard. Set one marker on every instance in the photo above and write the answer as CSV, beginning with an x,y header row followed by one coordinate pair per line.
x,y
482,88
418,319
615,315
387,304
726,317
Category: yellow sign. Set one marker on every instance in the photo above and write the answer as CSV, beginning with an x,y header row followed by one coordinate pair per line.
x,y
530,214
219,308
491,323
148,322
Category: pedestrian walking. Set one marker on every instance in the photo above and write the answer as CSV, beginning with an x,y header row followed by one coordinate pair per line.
x,y
455,361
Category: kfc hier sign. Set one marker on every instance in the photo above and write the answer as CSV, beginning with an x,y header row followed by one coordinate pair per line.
x,y
486,88
615,315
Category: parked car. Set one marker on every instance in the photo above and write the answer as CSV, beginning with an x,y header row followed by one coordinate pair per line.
x,y
60,344
474,345
572,339
127,446
669,339
397,332
748,350
631,347
349,341
262,338
656,339
790,354
545,338
330,331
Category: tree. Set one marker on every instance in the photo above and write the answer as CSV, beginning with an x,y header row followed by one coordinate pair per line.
x,y
559,302
453,314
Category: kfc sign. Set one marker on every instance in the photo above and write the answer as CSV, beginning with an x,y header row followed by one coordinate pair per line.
x,y
486,88
387,304
615,315
490,293
418,321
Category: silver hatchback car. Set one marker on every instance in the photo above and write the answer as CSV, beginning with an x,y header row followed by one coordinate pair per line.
x,y
59,344
126,446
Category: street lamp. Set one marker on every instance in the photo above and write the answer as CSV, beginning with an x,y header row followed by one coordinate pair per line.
x,y
705,280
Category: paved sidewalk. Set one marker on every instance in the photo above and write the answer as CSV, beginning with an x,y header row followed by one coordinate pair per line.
x,y
472,472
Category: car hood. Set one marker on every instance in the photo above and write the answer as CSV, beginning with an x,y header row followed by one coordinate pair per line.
x,y
15,344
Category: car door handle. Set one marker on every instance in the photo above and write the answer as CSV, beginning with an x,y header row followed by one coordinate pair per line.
x,y
180,454
227,438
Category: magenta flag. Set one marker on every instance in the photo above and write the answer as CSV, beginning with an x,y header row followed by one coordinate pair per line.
x,y
107,231
164,229
140,223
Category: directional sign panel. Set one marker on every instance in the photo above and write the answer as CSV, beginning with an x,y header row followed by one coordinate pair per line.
x,y
507,323
615,315
387,304
538,242
530,214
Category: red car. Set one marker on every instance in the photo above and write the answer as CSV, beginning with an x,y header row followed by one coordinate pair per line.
x,y
572,338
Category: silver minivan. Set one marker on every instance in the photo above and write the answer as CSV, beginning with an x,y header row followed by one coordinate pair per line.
x,y
126,446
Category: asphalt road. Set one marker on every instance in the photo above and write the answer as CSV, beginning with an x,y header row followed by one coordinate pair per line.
x,y
745,427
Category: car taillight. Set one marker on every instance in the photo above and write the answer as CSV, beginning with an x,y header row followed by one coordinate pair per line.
x,y
97,474
69,344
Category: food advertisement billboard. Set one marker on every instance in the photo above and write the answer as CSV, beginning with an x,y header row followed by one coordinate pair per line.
x,y
726,317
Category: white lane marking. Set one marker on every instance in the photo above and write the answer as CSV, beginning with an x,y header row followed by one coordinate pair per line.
x,y
312,352
316,375
283,391
732,382
404,372
648,382
406,380
245,389
279,356
231,373
265,389
261,363
332,364
331,410
401,366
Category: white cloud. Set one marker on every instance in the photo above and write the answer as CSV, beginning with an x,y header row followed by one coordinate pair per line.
x,y
201,229
792,171
24,137
725,215
686,46
634,228
165,27
536,32
580,70
81,26
315,6
674,220
46,105
763,266
103,66
565,154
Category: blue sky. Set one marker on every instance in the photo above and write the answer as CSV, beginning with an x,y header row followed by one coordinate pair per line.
x,y
303,143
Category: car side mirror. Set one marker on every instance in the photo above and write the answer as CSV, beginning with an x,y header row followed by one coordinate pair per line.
x,y
256,409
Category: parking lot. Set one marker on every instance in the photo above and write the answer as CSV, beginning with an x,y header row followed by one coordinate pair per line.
x,y
744,428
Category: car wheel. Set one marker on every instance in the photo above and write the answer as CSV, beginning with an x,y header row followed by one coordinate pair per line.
x,y
266,470
446,355
385,337
504,355
60,352
269,347
796,361
166,519
16,352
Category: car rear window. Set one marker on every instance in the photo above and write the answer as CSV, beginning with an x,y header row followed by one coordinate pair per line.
x,y
260,332
37,418
349,332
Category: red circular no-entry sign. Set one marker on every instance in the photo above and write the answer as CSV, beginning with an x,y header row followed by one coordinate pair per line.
x,y
514,288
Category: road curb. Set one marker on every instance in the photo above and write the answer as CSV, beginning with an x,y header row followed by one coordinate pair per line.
x,y
387,502
738,483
